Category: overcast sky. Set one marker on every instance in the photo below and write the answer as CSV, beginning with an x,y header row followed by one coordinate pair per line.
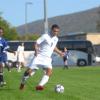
x,y
14,10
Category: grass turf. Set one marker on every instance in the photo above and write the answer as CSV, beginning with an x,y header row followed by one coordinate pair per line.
x,y
81,83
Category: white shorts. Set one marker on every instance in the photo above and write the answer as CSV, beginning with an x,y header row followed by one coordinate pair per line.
x,y
20,59
41,61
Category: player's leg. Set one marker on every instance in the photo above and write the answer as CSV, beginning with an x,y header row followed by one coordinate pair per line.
x,y
22,64
65,64
7,66
26,75
45,78
19,66
29,72
64,60
18,63
1,75
6,62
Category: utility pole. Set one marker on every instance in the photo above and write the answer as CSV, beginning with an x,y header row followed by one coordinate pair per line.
x,y
26,6
98,20
45,17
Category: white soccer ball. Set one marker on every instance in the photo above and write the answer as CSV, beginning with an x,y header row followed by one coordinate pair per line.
x,y
59,88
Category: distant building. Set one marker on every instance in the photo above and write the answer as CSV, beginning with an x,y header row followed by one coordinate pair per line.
x,y
93,37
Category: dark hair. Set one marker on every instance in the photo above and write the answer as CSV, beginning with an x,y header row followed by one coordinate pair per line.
x,y
1,28
55,26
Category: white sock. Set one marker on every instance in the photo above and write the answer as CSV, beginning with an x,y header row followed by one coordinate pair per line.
x,y
44,80
33,72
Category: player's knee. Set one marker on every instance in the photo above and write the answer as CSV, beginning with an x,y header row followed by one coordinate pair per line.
x,y
28,72
1,66
49,72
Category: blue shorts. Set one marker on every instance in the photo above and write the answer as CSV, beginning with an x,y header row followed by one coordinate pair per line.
x,y
64,58
3,58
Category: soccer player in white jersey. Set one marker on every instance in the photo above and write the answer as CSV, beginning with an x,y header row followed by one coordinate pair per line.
x,y
20,56
44,48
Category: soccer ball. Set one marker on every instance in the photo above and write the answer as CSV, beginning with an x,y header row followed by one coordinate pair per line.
x,y
59,88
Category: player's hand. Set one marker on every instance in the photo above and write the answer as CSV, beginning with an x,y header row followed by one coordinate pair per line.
x,y
14,53
35,54
62,54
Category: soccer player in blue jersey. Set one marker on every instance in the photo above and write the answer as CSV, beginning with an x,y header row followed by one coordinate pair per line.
x,y
65,57
3,49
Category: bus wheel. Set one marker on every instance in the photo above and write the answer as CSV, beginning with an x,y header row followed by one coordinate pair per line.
x,y
81,62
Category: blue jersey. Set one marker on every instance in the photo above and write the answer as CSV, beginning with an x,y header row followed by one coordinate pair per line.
x,y
66,54
3,49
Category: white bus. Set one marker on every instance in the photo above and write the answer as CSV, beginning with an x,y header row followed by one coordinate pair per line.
x,y
28,51
81,52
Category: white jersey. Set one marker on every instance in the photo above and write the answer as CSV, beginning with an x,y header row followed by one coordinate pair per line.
x,y
46,47
20,52
47,44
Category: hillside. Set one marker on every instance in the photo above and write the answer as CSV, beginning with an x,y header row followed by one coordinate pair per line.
x,y
84,21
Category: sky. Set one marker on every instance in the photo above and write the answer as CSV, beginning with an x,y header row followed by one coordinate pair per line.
x,y
14,10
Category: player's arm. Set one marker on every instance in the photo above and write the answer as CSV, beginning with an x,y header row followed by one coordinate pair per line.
x,y
7,48
11,51
0,49
58,51
36,47
38,42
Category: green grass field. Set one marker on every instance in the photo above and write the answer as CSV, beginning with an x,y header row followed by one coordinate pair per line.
x,y
80,84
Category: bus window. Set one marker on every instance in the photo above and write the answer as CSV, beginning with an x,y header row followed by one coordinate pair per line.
x,y
29,45
76,45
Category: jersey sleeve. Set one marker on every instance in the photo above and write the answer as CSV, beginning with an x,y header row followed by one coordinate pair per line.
x,y
41,39
1,47
5,45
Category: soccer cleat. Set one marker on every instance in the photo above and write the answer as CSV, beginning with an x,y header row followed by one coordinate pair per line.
x,y
39,88
21,86
9,71
2,84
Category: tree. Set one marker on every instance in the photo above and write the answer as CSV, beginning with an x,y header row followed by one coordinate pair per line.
x,y
10,32
26,37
